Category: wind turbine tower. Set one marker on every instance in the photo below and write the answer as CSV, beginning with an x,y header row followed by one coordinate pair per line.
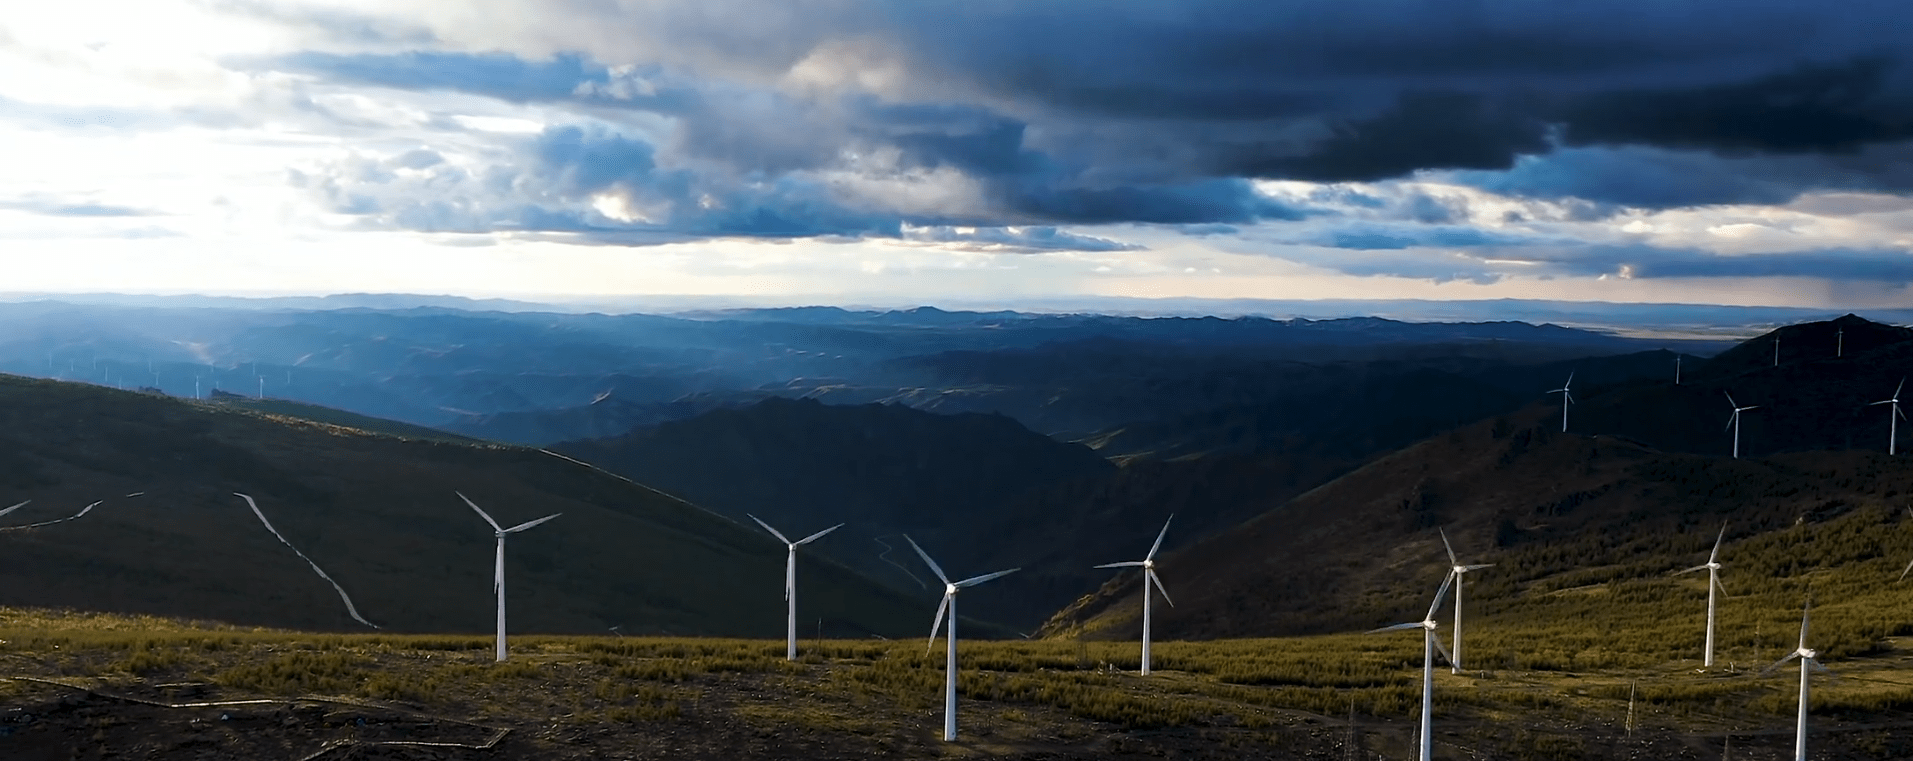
x,y
1840,343
1733,421
1807,662
1776,350
1431,644
1892,418
1712,566
1455,570
498,565
1677,369
1148,566
1567,398
790,580
950,591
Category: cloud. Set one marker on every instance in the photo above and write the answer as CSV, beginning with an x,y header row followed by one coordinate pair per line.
x,y
55,207
1014,240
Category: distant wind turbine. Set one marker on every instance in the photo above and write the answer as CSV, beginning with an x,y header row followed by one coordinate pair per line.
x,y
1567,398
1148,565
1776,351
1840,342
1431,644
1677,369
1456,569
1712,566
949,604
1893,418
1807,661
1733,421
350,609
790,580
498,567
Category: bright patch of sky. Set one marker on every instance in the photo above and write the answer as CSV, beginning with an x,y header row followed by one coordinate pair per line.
x,y
845,152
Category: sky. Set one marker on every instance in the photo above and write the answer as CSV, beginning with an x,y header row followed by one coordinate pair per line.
x,y
1752,152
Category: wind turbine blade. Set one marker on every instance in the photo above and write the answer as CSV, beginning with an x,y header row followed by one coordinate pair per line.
x,y
1449,547
1443,592
937,625
1436,641
1730,400
934,568
1896,389
975,580
528,524
1909,569
350,609
790,573
1477,567
15,507
1719,586
1124,564
1804,614
1749,407
1159,535
481,513
818,535
1898,411
1778,664
1397,627
1815,665
1690,570
1712,556
767,527
1570,382
1730,420
1158,580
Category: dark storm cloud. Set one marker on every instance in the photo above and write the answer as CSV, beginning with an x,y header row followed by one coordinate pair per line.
x,y
1117,111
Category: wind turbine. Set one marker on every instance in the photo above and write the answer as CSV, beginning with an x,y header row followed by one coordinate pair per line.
x,y
1431,644
1677,369
1733,421
1712,566
1807,661
1148,565
1455,570
1892,418
1840,342
498,572
1567,398
1776,350
790,580
949,603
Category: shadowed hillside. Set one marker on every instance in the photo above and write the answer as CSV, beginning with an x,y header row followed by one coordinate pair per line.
x,y
1556,513
1812,400
885,470
380,515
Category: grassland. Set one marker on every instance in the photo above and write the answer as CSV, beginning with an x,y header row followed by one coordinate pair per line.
x,y
98,681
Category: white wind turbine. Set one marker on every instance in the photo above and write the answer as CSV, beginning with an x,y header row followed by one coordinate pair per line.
x,y
1712,567
15,507
790,580
1807,661
498,568
1677,369
949,603
1148,565
1455,570
1733,421
1892,418
1567,398
1431,644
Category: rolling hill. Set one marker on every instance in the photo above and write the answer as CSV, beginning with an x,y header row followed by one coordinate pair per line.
x,y
379,513
1567,519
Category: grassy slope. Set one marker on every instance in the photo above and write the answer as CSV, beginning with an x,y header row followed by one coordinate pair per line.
x,y
288,408
379,513
593,697
1583,531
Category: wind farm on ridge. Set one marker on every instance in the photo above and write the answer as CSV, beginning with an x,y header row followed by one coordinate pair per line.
x,y
1505,637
